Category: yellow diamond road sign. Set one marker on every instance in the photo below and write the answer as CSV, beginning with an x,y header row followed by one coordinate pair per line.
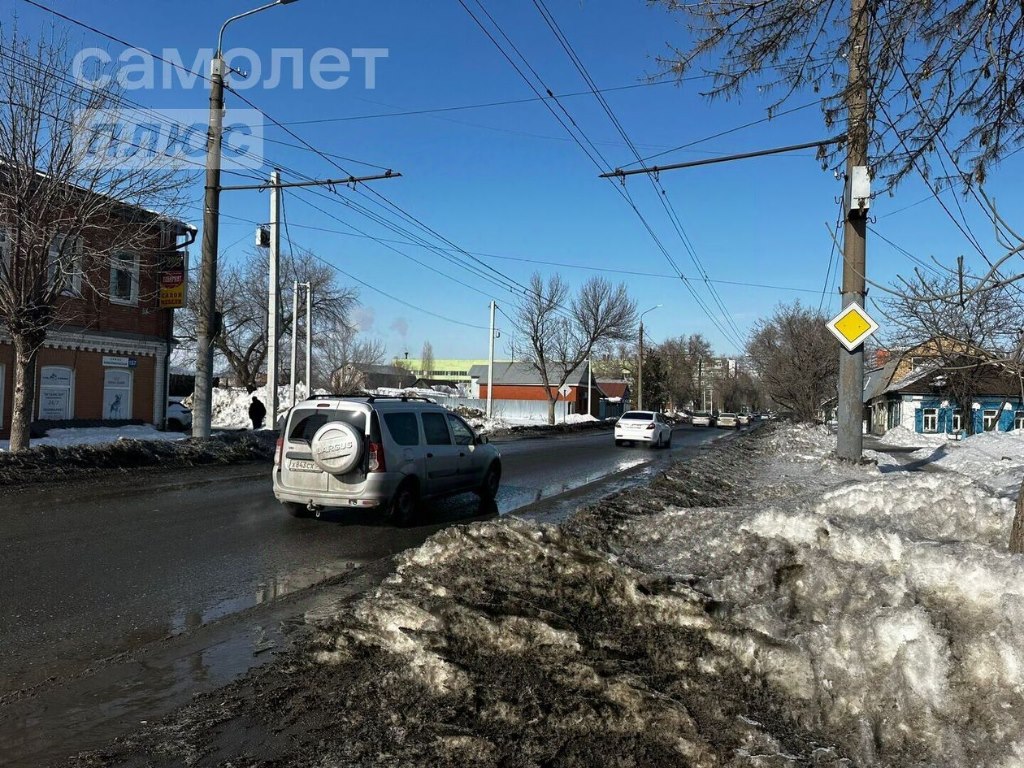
x,y
852,326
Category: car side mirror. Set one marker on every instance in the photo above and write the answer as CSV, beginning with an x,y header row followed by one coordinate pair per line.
x,y
481,440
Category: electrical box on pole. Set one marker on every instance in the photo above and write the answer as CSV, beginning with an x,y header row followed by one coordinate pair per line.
x,y
857,195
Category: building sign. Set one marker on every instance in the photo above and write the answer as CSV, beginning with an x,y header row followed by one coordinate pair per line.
x,y
55,384
852,326
110,361
117,394
172,289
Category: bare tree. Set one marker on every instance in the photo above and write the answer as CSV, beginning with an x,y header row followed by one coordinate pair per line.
x,y
242,301
562,331
943,77
427,358
343,357
686,358
967,332
70,208
795,357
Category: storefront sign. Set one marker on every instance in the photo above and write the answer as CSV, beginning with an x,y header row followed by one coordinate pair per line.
x,y
117,394
119,362
55,393
172,289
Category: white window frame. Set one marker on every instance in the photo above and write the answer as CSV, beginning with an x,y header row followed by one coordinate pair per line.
x,y
930,414
1018,420
71,392
957,421
74,286
125,406
985,419
117,263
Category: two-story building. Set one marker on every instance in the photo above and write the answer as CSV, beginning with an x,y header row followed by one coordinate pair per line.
x,y
106,356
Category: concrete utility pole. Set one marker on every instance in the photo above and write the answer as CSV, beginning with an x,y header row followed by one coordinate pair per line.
x,y
309,339
640,371
851,364
490,365
590,386
700,384
206,329
295,334
273,312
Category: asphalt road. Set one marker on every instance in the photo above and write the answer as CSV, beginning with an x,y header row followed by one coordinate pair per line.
x,y
91,575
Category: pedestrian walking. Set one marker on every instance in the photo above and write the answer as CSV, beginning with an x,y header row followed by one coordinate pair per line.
x,y
257,412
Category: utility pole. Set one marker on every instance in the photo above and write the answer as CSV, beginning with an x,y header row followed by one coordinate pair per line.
x,y
700,384
490,365
851,364
590,385
640,372
202,396
273,311
295,333
309,339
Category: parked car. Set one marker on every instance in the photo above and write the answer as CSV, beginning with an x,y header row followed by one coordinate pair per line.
x,y
179,418
643,427
743,419
703,419
385,453
728,420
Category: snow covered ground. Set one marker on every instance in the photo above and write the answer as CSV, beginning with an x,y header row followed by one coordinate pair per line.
x,y
761,605
61,438
901,437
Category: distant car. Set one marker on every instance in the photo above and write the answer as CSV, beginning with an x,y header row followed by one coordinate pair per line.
x,y
643,427
702,419
743,419
179,418
728,421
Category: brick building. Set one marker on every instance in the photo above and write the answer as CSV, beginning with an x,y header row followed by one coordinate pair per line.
x,y
106,358
521,381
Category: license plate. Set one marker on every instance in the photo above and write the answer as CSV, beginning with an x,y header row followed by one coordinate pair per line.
x,y
302,466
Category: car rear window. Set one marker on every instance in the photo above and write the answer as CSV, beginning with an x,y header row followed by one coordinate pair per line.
x,y
639,415
305,423
403,428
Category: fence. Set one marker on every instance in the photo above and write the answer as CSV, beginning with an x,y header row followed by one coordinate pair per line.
x,y
509,410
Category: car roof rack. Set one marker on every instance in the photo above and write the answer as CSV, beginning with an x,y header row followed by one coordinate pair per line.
x,y
371,398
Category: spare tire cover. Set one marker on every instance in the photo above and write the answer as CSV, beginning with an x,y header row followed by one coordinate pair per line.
x,y
337,447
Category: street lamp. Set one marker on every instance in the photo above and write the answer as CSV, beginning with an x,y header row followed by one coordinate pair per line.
x,y
207,325
640,368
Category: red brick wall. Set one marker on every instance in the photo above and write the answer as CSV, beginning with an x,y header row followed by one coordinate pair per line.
x,y
527,392
88,383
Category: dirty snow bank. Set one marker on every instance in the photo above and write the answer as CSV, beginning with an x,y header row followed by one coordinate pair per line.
x,y
62,438
229,407
886,611
994,460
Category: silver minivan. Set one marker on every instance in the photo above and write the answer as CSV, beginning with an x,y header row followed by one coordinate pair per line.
x,y
388,453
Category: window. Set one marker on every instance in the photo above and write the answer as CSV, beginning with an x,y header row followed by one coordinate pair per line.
x,y
117,394
403,428
65,264
930,419
958,421
463,434
435,427
5,254
124,279
305,424
1018,419
990,418
56,388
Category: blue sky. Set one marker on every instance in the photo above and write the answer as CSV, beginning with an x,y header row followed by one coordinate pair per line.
x,y
506,181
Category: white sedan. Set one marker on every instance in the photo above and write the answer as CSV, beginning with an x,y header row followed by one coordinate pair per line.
x,y
643,427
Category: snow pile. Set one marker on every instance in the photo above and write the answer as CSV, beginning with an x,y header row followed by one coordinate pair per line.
x,y
808,442
60,438
888,612
994,460
230,405
902,437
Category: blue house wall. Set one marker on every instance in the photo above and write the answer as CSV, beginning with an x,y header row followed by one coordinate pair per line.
x,y
945,414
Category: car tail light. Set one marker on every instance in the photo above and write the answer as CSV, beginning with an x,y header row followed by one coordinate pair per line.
x,y
279,450
377,458
651,425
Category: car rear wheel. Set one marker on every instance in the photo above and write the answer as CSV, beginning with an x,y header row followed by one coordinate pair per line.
x,y
668,443
405,504
295,509
488,490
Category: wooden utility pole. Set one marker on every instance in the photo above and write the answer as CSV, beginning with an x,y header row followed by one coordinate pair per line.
x,y
851,364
